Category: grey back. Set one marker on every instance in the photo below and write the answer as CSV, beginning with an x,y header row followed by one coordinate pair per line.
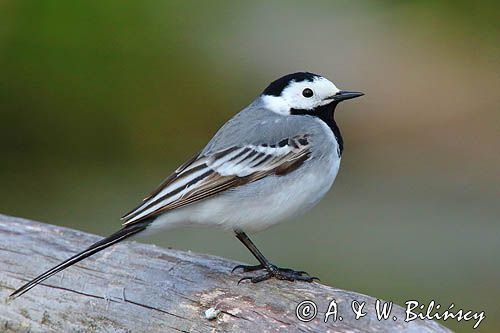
x,y
256,125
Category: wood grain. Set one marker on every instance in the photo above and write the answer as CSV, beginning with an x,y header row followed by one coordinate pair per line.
x,y
135,287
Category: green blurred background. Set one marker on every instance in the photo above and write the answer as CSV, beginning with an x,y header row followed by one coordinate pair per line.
x,y
99,101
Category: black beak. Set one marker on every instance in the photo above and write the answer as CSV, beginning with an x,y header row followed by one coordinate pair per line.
x,y
343,95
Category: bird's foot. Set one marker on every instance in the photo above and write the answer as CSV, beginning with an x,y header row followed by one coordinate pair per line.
x,y
275,272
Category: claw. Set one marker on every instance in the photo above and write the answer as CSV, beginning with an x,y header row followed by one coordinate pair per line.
x,y
244,278
289,270
237,267
306,278
248,268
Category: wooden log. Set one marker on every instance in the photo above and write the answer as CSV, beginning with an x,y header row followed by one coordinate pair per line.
x,y
135,287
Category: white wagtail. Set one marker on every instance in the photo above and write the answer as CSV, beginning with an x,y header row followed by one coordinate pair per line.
x,y
273,160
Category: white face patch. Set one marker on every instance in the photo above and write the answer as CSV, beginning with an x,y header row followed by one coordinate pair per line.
x,y
292,97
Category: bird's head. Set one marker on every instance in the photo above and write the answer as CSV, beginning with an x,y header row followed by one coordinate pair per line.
x,y
303,92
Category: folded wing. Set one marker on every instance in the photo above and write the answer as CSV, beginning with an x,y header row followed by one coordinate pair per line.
x,y
205,176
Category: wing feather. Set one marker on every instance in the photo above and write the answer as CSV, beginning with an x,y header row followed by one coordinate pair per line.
x,y
204,176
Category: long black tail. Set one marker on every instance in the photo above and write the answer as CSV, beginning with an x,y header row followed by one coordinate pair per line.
x,y
94,248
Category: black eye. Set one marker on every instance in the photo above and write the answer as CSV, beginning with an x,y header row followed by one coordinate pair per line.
x,y
307,93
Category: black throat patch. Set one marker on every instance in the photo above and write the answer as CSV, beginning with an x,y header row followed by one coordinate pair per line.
x,y
325,113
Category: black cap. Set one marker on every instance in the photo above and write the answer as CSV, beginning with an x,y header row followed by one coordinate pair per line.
x,y
277,87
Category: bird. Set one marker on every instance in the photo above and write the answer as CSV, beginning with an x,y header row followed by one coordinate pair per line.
x,y
272,161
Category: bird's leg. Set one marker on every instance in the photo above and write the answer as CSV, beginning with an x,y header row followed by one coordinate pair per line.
x,y
272,270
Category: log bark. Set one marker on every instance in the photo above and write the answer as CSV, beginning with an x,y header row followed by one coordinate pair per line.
x,y
135,287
